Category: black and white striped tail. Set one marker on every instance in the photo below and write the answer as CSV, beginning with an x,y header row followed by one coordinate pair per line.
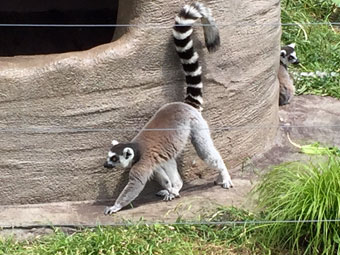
x,y
182,31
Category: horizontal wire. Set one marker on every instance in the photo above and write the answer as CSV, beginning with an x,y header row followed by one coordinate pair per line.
x,y
128,224
85,130
153,25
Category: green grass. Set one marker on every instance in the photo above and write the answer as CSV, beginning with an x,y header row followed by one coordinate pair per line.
x,y
291,191
302,191
318,46
153,239
142,239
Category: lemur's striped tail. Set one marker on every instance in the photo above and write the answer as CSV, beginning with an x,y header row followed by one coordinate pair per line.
x,y
182,31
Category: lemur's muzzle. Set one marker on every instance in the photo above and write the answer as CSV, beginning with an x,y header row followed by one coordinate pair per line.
x,y
297,62
107,165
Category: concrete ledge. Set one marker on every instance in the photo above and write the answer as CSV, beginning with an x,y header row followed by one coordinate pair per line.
x,y
200,198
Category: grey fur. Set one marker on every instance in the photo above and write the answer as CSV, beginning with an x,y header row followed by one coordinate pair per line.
x,y
168,177
158,149
287,88
153,152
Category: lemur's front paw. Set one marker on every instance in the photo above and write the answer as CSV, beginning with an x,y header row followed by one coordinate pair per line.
x,y
169,197
226,184
112,209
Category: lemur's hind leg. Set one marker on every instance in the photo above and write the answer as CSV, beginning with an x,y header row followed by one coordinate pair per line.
x,y
163,179
176,180
287,92
201,139
168,177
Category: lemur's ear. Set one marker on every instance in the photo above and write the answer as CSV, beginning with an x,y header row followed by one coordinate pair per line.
x,y
292,45
283,53
114,142
128,153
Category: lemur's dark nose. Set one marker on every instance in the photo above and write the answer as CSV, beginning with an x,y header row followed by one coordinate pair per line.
x,y
297,62
107,165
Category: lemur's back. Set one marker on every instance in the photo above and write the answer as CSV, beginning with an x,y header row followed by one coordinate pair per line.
x,y
170,128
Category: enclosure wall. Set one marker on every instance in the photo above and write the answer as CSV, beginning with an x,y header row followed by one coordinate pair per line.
x,y
59,112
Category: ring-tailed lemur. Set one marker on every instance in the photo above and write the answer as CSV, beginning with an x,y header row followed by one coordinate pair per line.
x,y
287,88
154,150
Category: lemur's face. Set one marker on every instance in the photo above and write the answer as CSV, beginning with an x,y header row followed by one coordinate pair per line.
x,y
288,55
119,155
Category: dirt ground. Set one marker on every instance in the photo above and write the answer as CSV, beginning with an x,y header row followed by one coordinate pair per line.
x,y
307,119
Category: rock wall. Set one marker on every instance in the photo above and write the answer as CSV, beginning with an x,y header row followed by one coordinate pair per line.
x,y
59,113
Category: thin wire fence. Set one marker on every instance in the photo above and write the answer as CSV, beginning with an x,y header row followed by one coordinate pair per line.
x,y
86,130
151,223
58,129
158,26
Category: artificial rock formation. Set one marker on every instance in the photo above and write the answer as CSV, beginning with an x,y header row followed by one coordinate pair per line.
x,y
59,112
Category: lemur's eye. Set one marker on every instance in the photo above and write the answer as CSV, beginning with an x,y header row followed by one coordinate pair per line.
x,y
128,154
114,158
290,58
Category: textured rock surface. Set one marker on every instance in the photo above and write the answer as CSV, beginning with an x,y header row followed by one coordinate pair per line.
x,y
58,113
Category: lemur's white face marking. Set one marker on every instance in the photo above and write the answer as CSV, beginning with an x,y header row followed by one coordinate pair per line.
x,y
126,158
119,155
288,55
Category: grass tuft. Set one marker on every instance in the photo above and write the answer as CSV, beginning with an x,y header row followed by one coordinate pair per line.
x,y
302,191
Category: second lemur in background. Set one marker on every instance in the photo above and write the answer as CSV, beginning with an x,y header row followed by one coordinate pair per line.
x,y
287,88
